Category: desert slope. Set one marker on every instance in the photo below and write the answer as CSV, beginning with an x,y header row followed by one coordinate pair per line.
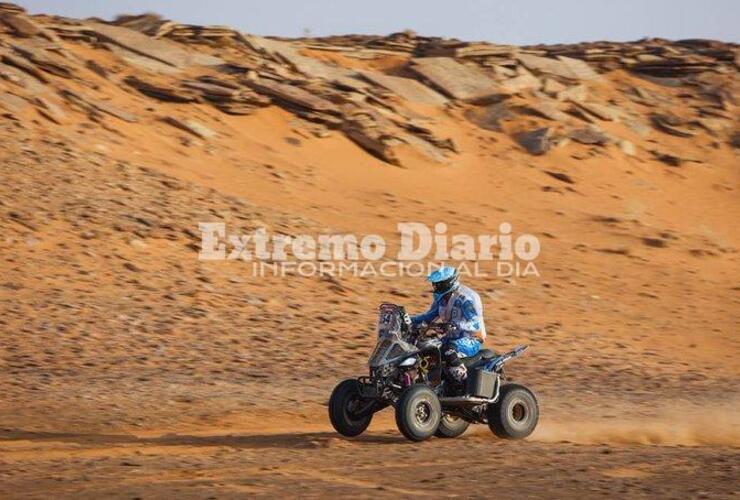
x,y
117,139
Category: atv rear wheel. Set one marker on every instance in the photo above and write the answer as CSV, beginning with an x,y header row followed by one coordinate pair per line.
x,y
344,402
515,414
418,412
451,426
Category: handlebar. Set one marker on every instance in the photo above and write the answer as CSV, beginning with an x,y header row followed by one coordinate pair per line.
x,y
436,329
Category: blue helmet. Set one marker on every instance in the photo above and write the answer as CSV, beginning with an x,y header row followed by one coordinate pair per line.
x,y
444,280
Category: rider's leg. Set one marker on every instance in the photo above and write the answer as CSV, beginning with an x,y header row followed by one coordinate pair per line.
x,y
467,346
454,350
451,361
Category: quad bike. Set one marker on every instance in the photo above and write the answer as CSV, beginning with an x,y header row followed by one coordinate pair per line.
x,y
407,372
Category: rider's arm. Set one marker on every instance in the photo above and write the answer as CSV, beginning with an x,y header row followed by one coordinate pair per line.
x,y
427,317
471,322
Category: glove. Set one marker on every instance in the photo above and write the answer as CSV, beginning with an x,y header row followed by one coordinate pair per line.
x,y
449,328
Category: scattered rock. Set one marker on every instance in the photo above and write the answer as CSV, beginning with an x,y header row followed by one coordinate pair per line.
x,y
195,128
96,68
23,65
161,92
548,110
491,116
291,96
94,105
714,126
668,158
600,111
560,176
50,110
637,126
536,142
21,25
376,143
655,242
520,83
289,53
590,135
552,87
11,8
131,267
627,147
564,67
576,93
45,60
406,88
456,80
671,125
159,50
12,103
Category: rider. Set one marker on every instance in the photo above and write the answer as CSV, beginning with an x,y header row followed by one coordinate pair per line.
x,y
461,310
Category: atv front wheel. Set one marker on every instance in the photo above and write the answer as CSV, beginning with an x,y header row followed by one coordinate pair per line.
x,y
344,403
515,414
418,412
451,426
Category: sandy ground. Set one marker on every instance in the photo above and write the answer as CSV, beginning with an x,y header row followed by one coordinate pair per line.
x,y
130,369
378,464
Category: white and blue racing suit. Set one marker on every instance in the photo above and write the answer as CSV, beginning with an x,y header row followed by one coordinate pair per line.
x,y
462,309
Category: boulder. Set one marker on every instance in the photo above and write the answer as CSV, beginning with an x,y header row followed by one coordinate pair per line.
x,y
160,50
195,128
548,109
536,142
406,88
520,83
458,81
563,67
671,125
21,25
590,135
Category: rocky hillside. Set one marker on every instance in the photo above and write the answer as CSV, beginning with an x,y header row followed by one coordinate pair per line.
x,y
631,96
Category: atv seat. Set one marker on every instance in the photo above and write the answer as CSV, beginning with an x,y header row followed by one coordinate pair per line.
x,y
483,354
